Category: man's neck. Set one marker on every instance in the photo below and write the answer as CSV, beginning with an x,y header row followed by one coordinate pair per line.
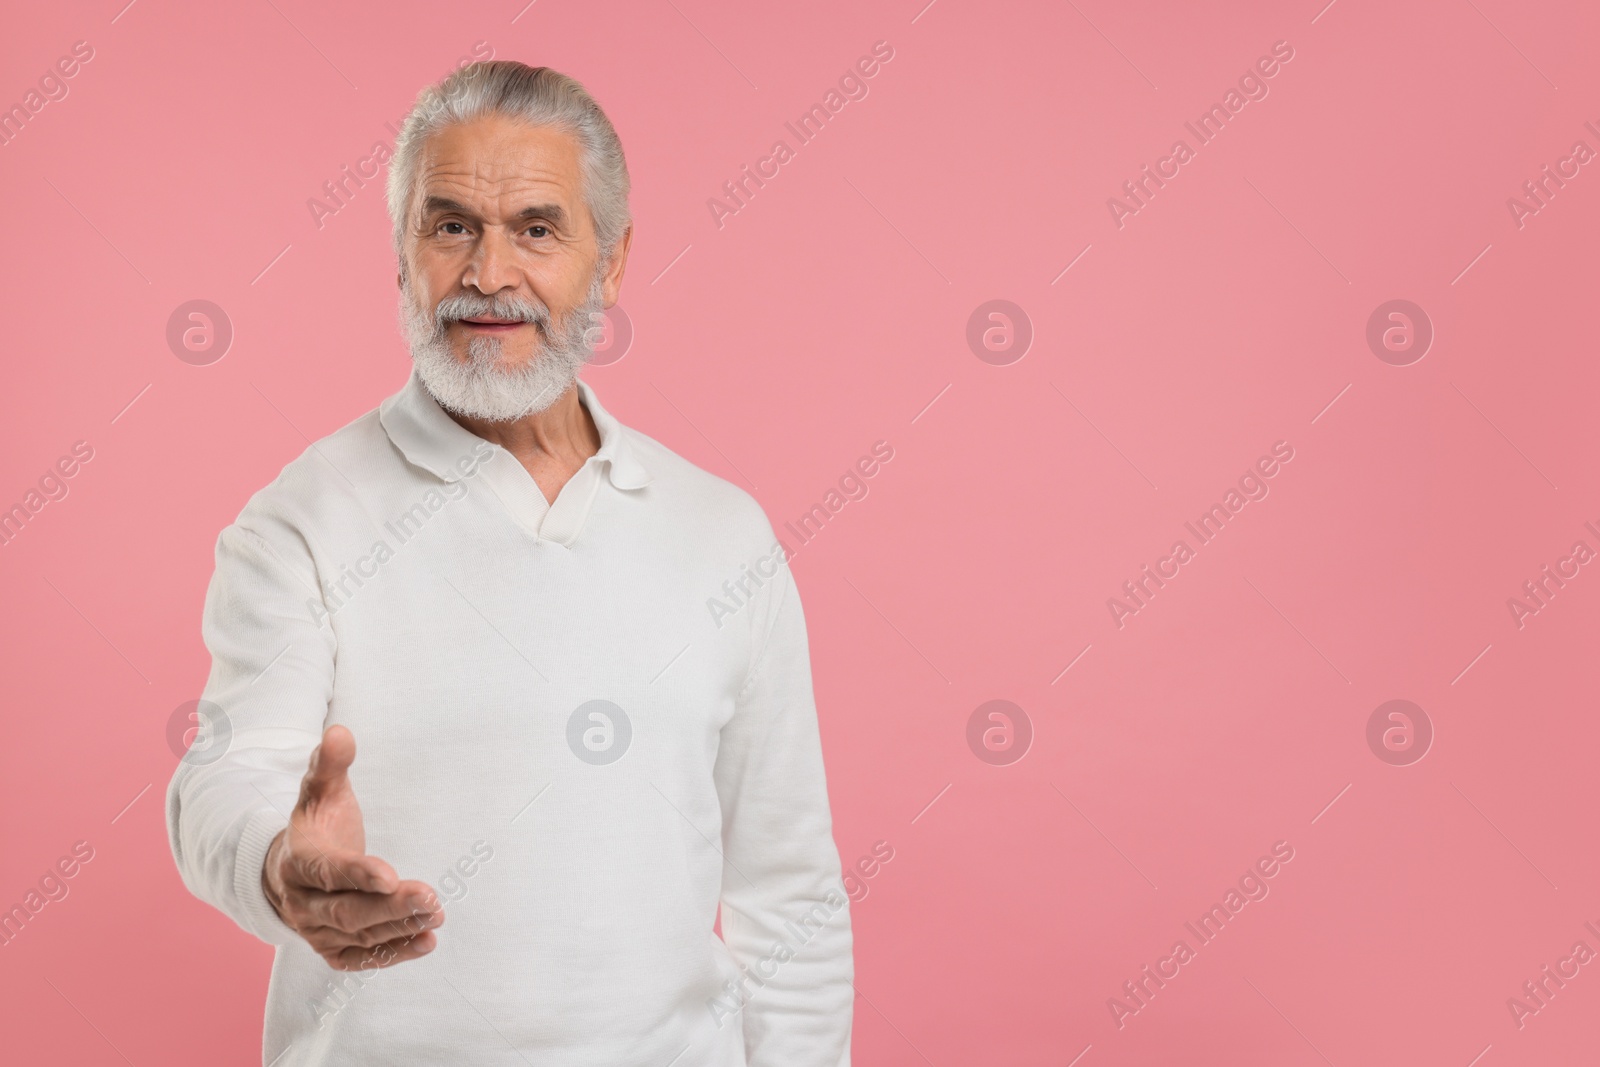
x,y
552,444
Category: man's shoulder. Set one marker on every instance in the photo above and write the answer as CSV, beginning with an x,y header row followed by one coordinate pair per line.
x,y
328,477
697,493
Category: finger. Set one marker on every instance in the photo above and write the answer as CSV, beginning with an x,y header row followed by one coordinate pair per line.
x,y
385,955
351,911
324,938
327,768
337,871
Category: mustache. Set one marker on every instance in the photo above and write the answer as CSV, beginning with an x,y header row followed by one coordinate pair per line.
x,y
470,306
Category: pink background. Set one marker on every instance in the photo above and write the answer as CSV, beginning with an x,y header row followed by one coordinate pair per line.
x,y
824,316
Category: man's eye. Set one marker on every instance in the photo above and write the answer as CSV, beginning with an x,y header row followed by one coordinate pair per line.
x,y
445,226
544,231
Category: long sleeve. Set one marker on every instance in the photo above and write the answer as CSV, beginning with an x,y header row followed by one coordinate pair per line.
x,y
785,914
271,676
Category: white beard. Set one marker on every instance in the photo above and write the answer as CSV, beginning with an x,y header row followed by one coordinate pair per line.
x,y
480,387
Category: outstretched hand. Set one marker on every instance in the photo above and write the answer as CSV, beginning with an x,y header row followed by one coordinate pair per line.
x,y
349,906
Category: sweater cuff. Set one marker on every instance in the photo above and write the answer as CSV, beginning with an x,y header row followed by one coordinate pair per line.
x,y
257,915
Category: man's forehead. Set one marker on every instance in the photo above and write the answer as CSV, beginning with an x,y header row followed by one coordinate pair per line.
x,y
498,159
456,182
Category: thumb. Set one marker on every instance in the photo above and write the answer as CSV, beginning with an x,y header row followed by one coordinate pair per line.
x,y
330,763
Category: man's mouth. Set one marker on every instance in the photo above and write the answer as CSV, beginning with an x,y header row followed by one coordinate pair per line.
x,y
488,324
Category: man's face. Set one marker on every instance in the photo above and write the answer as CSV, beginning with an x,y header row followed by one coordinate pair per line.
x,y
503,282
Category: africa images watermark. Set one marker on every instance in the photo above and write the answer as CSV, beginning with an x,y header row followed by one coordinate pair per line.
x,y
52,486
1537,592
852,485
852,85
338,992
1138,592
336,591
52,887
53,88
734,994
1538,192
798,933
338,192
1252,886
1538,992
868,867
1207,127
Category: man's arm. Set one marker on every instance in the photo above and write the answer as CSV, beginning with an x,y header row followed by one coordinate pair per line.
x,y
785,913
272,677
277,847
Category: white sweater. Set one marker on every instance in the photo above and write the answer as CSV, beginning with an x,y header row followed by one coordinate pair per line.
x,y
406,578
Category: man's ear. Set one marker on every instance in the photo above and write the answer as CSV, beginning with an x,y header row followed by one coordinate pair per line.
x,y
612,285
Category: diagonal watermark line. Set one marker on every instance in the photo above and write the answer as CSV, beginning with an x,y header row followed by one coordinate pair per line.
x,y
897,229
269,266
312,445
1074,263
1113,45
669,266
923,12
1504,438
1504,838
269,666
1069,666
96,629
702,433
529,804
1295,628
1330,804
890,1021
716,847
932,802
679,1056
1292,1026
1297,229
674,659
1323,12
314,48
523,12
1480,1055
1103,837
1103,437
97,230
86,1019
130,803
486,1021
130,404
495,628
1330,404
1474,263
1080,1055
309,442
930,403
1469,666
896,629
714,47
1514,48
123,12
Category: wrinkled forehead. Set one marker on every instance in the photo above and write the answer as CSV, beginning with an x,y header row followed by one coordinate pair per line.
x,y
497,166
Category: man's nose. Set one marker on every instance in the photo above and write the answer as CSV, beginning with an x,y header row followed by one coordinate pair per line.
x,y
493,263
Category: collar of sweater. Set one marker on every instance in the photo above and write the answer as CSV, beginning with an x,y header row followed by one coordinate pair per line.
x,y
429,438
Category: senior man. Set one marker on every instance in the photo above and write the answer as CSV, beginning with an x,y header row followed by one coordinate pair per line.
x,y
499,591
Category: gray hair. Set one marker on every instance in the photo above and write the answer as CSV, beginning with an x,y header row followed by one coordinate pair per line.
x,y
538,96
